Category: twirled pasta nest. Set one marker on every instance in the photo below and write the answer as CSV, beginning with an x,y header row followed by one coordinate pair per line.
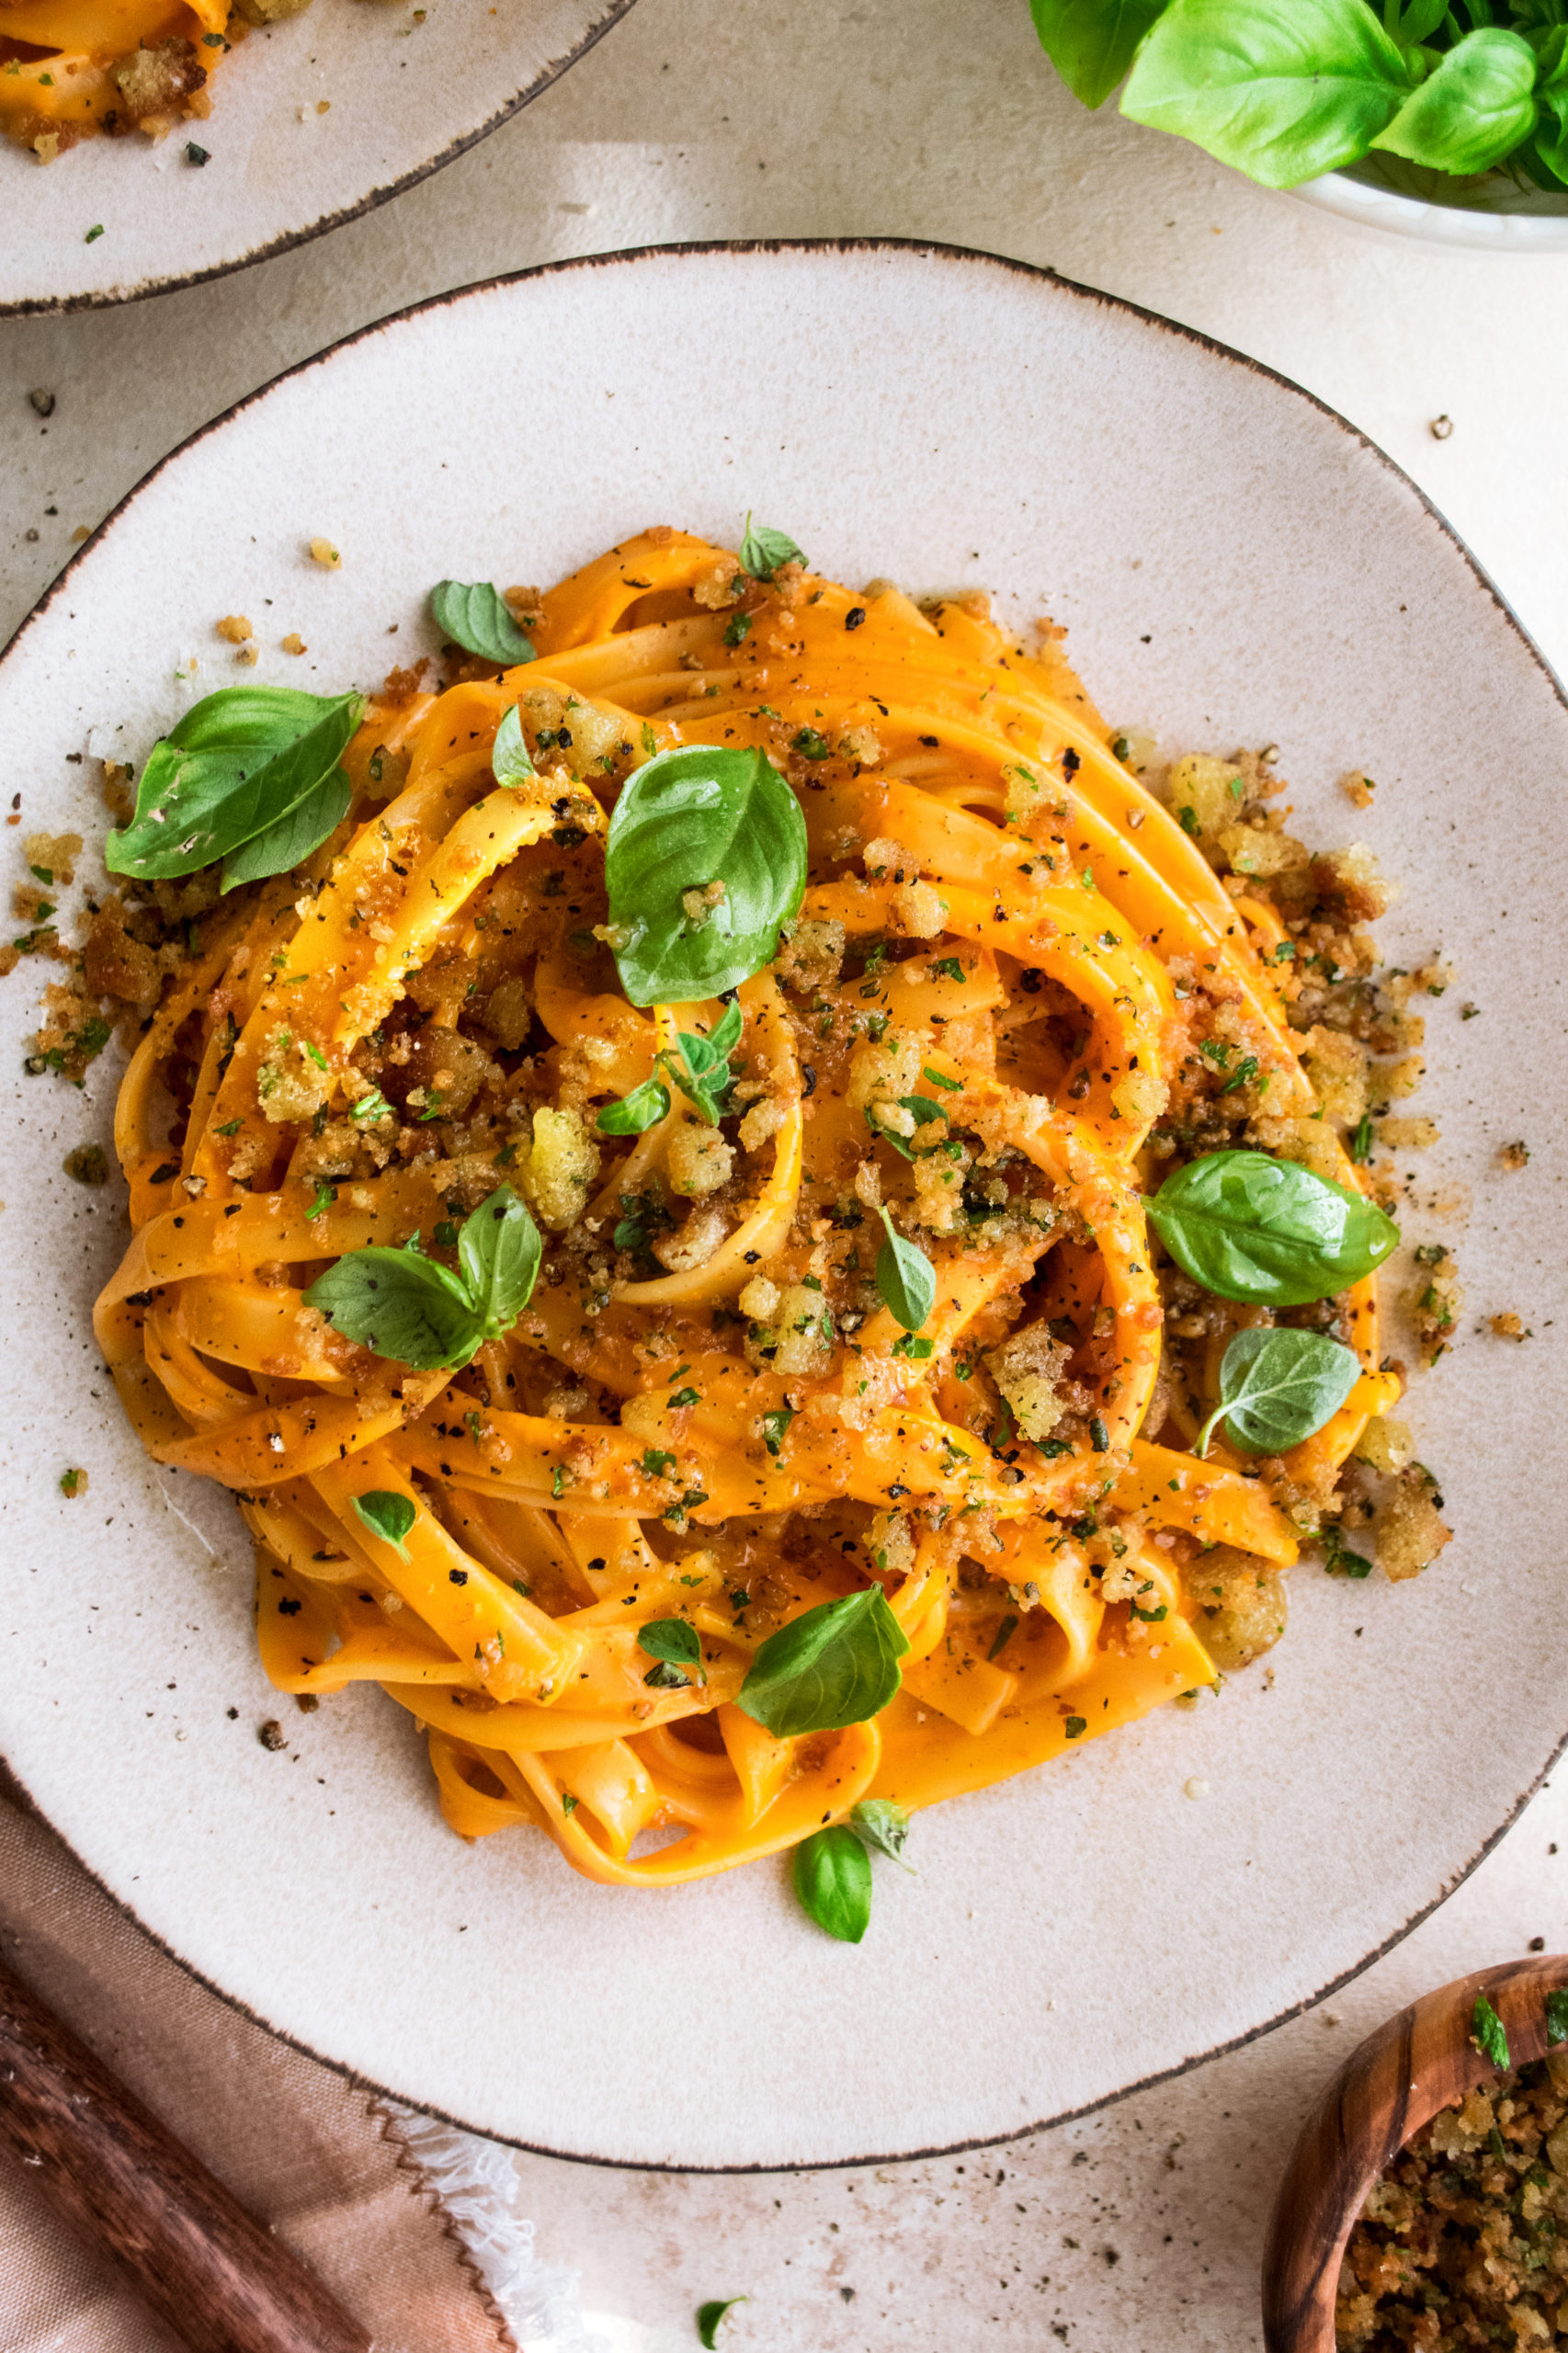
x,y
706,1415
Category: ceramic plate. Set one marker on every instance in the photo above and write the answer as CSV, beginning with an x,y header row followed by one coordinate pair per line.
x,y
404,95
1237,564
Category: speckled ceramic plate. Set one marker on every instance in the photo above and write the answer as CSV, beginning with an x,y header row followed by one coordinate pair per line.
x,y
1237,564
404,94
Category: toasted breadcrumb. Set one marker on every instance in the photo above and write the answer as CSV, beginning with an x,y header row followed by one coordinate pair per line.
x,y
1514,1155
152,81
1434,1301
321,552
1028,1370
1458,2243
1509,1327
235,628
1241,1606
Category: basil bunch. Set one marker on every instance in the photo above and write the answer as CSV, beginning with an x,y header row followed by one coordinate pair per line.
x,y
1277,1388
1267,1232
1285,89
834,1665
686,821
476,616
249,774
402,1305
833,1871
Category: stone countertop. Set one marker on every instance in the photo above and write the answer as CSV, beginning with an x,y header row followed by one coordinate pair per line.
x,y
1136,2230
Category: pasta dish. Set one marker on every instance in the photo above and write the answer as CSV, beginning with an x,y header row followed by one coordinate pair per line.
x,y
749,1221
70,69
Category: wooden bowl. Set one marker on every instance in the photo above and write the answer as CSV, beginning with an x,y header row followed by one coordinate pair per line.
x,y
1417,2062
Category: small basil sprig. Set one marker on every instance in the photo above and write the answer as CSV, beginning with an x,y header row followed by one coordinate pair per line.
x,y
709,2316
834,1665
762,550
702,1069
833,1874
676,1643
509,761
403,1306
1557,2015
684,821
1267,1231
476,617
906,1280
387,1514
1276,1388
249,774
833,1879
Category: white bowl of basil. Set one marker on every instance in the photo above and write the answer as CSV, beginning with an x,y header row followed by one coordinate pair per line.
x,y
1445,119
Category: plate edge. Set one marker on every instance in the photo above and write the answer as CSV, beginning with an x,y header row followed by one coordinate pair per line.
x,y
288,240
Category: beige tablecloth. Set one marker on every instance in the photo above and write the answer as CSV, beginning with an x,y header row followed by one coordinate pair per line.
x,y
305,2150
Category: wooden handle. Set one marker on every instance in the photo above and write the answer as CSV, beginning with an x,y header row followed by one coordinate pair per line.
x,y
1419,2061
135,2194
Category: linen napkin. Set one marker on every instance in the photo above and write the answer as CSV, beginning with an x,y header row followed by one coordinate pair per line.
x,y
311,2152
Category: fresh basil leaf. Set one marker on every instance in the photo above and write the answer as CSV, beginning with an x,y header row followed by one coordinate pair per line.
x,y
1418,20
290,841
1093,43
475,616
1283,89
832,1665
906,1280
1267,1231
509,761
232,767
399,1305
725,1034
709,2316
499,1251
1276,1388
833,1880
1477,105
676,1642
882,1825
633,1114
1557,2016
762,550
1488,2033
684,820
389,1515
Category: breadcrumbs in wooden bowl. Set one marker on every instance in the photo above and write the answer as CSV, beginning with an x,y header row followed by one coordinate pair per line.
x,y
1421,2209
